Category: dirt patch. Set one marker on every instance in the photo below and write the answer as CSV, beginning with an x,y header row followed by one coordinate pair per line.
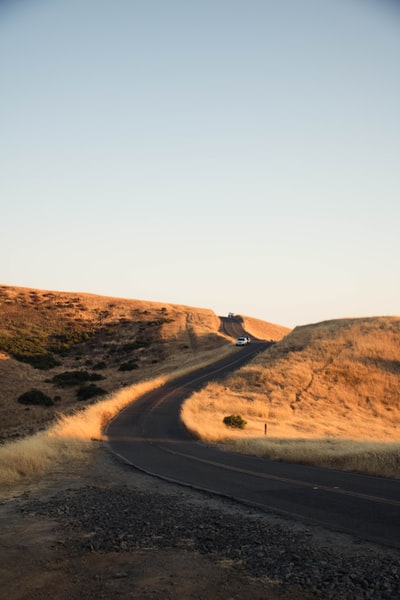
x,y
162,574
100,529
41,557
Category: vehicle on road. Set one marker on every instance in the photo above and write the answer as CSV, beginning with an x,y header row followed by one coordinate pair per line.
x,y
242,341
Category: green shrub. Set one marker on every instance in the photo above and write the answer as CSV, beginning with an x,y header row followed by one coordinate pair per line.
x,y
85,392
44,362
235,421
27,348
70,378
35,397
62,343
128,366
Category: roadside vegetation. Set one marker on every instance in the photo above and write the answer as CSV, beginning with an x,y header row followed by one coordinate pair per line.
x,y
371,458
69,438
328,394
73,436
72,347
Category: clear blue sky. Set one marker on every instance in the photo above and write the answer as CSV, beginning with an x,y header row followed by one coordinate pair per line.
x,y
238,155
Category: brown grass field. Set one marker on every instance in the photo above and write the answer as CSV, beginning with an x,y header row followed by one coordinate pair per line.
x,y
86,332
327,393
93,333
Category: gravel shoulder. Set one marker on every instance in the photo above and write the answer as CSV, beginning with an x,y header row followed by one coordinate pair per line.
x,y
100,529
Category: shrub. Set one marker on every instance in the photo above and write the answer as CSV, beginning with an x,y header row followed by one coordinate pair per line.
x,y
63,342
70,378
100,365
35,397
28,349
89,391
128,366
235,421
44,362
155,323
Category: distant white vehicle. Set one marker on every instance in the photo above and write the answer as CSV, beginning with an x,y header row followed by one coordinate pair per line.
x,y
242,341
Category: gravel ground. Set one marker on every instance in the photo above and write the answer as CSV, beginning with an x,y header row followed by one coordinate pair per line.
x,y
97,517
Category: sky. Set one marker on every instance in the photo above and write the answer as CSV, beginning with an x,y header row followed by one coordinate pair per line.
x,y
237,155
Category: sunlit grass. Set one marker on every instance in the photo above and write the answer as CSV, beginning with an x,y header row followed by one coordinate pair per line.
x,y
204,412
372,458
71,436
34,456
67,439
328,394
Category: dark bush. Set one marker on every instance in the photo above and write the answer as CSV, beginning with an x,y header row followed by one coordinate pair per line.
x,y
44,362
35,397
235,421
62,343
28,348
130,346
100,365
128,366
70,378
155,323
85,392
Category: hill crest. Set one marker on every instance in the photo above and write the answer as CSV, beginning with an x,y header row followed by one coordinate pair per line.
x,y
116,341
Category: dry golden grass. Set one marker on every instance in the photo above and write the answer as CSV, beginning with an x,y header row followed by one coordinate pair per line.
x,y
264,330
324,384
71,436
176,339
171,336
336,380
372,458
67,439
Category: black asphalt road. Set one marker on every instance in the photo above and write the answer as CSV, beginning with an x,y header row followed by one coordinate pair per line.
x,y
149,435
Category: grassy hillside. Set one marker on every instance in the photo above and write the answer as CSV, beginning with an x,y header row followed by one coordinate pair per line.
x,y
327,393
72,347
263,330
336,380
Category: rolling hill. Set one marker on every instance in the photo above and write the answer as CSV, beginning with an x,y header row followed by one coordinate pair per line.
x,y
335,379
74,347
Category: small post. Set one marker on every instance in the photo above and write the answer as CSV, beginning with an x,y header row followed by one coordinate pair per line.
x,y
265,429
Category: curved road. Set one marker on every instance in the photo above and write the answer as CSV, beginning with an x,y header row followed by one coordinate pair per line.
x,y
232,326
149,435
